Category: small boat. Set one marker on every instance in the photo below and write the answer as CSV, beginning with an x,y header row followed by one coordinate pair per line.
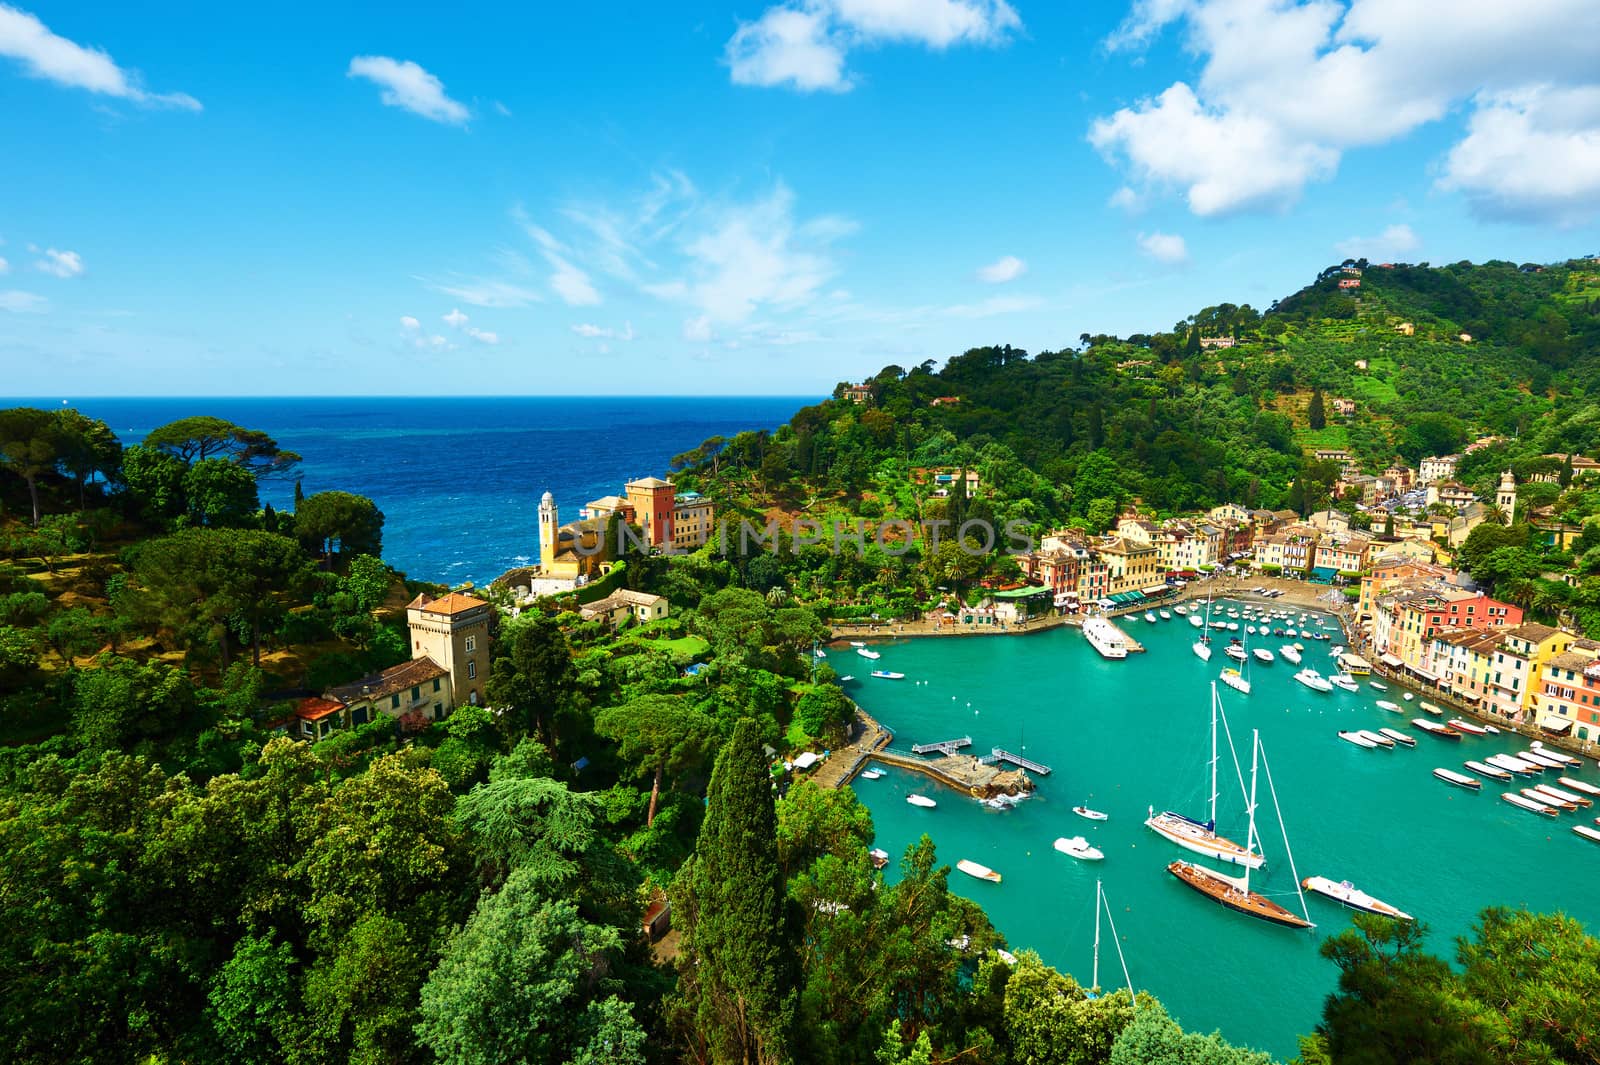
x,y
819,653
1538,796
1291,632
1551,752
1377,685
922,801
1078,847
1431,708
857,643
1202,649
1512,764
1407,696
1250,630
1574,801
1263,655
846,677
872,774
1194,619
1345,681
1164,615
1313,680
866,653
1289,654
1336,650
1150,617
1235,652
1384,704
1352,896
1444,732
879,856
1219,625
978,872
884,674
1531,805
1467,726
1180,610
1460,780
1377,737
1092,815
1233,626
1399,737
1493,772
1541,759
1358,739
1587,833
1235,680
1491,730
1578,785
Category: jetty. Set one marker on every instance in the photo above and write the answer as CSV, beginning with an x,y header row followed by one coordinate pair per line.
x,y
977,777
942,747
1001,755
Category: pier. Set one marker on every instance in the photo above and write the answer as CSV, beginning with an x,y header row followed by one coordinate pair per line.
x,y
942,747
964,772
1001,755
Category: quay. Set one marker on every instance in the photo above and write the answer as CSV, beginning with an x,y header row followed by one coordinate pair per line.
x,y
1001,755
942,747
964,772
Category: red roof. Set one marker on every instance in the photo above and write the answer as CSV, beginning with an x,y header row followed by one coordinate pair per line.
x,y
316,708
454,603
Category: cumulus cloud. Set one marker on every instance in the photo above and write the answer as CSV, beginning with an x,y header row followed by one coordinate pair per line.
x,y
1287,86
483,336
63,264
697,330
1006,268
47,55
455,319
409,323
588,329
19,302
1394,242
407,85
1167,248
804,44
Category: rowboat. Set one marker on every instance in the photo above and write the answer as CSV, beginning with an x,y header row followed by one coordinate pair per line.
x,y
1092,815
1347,893
1586,832
1530,805
978,872
1538,796
1431,708
922,801
1565,796
1444,732
1460,780
1578,785
1493,772
1384,704
1399,737
884,674
1377,738
1357,738
1513,764
1468,726
1079,848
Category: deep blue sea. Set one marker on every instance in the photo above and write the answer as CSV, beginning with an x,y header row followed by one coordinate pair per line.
x,y
459,479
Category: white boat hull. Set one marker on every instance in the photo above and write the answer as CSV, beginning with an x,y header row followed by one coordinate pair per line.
x,y
1192,837
1349,895
1078,847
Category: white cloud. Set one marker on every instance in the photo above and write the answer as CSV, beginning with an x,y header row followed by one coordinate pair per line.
x,y
409,323
455,319
483,335
569,282
46,55
1392,243
23,302
1126,199
486,292
1167,248
804,44
697,329
4,266
1531,155
587,329
61,264
501,109
407,85
1006,268
1286,87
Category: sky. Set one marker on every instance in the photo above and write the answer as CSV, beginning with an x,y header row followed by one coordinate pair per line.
x,y
740,197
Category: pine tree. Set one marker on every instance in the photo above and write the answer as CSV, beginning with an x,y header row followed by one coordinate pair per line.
x,y
1317,416
737,972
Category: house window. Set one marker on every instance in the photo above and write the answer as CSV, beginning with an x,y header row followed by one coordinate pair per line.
x,y
394,700
416,692
358,716
435,683
472,671
307,728
472,644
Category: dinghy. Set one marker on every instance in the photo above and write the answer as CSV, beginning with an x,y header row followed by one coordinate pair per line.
x,y
884,674
872,774
1092,815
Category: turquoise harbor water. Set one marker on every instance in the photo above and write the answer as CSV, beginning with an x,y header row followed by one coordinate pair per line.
x,y
1122,736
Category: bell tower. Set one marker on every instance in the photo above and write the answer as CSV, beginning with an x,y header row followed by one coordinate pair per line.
x,y
1505,496
549,523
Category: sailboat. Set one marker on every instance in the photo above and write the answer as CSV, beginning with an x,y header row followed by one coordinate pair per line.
x,y
1100,903
1234,891
1235,676
1201,836
1202,643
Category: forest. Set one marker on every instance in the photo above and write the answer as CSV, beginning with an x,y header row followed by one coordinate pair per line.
x,y
185,882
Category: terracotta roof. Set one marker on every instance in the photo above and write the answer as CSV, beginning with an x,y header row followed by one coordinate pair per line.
x,y
316,708
1569,660
389,681
454,603
649,482
1532,631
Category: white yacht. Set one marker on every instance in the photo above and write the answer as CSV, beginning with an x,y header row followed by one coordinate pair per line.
x,y
1105,638
1313,680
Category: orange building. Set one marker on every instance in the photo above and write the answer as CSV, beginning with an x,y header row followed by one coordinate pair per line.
x,y
653,501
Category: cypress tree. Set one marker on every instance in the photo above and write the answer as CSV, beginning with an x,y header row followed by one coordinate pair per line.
x,y
1315,414
737,970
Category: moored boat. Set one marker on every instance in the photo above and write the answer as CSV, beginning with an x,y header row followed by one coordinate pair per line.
x,y
1092,815
1377,685
1462,725
868,653
1513,764
1541,759
1587,833
872,774
1263,655
1356,738
1433,728
1493,772
1376,737
1194,619
1566,798
1578,785
1399,737
1150,616
1079,848
1235,894
1105,638
879,856
922,801
1460,780
978,872
1539,796
1560,756
1289,654
1345,681
1431,708
1235,652
1531,805
1313,680
1164,615
1347,893
885,674
1384,704
1235,680
1201,836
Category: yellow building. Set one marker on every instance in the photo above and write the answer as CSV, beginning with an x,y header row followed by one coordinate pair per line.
x,y
1130,566
693,521
454,632
569,551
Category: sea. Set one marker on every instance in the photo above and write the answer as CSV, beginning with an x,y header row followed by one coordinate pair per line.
x,y
459,479
1125,736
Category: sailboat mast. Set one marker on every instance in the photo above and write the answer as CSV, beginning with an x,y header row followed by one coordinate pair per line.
x,y
1213,755
1255,763
1095,982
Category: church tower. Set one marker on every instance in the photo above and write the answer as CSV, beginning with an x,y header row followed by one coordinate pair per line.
x,y
549,523
1506,496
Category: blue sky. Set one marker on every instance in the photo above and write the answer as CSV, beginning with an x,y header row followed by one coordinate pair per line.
x,y
739,198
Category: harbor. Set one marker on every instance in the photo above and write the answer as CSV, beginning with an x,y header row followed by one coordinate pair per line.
x,y
1123,736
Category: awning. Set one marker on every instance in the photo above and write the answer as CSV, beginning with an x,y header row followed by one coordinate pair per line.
x,y
1554,723
1157,589
1424,674
806,760
1392,661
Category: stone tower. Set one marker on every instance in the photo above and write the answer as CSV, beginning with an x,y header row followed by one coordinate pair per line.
x,y
1505,496
549,524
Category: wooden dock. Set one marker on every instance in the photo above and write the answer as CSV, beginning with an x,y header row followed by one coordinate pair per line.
x,y
1001,755
942,747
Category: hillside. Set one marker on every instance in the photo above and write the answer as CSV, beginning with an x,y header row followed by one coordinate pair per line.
x,y
1178,421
